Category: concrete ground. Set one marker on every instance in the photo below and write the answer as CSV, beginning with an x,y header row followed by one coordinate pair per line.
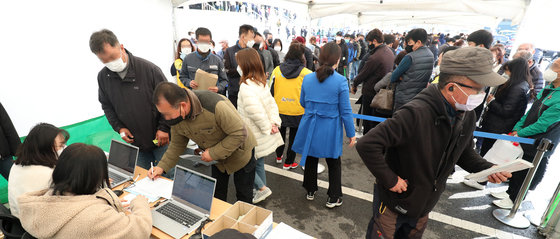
x,y
461,212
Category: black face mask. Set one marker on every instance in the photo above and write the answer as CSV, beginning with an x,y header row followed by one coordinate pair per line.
x,y
269,41
257,46
371,46
175,121
408,48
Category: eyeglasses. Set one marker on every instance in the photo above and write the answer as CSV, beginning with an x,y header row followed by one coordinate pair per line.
x,y
478,90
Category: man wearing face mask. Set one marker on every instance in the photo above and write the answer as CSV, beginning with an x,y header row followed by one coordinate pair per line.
x,y
124,84
412,154
204,59
212,122
415,68
343,65
267,58
246,39
541,121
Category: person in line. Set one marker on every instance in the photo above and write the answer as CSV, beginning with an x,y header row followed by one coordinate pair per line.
x,y
379,63
324,96
246,39
536,74
309,62
35,162
78,203
542,121
498,51
184,48
9,143
278,47
411,171
213,123
480,38
259,111
267,59
343,65
286,88
125,84
203,59
415,70
224,44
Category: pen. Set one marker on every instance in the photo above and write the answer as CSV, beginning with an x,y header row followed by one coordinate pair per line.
x,y
152,164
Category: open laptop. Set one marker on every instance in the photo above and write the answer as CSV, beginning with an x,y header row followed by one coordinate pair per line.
x,y
189,205
122,161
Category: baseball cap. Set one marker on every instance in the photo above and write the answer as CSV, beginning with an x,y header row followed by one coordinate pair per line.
x,y
473,62
300,39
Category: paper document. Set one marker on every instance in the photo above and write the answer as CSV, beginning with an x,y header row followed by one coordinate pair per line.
x,y
513,166
153,190
205,80
284,231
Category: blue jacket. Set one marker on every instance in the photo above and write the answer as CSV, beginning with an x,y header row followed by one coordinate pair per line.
x,y
327,109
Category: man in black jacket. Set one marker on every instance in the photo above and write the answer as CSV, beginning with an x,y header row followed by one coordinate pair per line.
x,y
343,64
126,85
9,142
412,154
246,39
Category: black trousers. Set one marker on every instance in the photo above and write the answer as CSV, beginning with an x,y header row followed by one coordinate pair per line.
x,y
335,176
280,150
367,110
243,179
517,178
233,98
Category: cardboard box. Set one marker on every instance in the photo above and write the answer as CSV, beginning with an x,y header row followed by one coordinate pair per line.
x,y
245,218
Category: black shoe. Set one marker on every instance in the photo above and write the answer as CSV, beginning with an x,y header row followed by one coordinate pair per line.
x,y
310,196
334,202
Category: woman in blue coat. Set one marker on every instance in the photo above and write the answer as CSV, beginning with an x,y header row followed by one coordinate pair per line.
x,y
325,97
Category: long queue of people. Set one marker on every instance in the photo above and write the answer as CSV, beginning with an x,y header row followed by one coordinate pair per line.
x,y
259,99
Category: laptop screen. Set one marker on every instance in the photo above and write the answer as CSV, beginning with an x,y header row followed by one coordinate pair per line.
x,y
123,156
193,188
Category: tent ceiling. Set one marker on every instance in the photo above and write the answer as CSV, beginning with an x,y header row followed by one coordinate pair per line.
x,y
447,12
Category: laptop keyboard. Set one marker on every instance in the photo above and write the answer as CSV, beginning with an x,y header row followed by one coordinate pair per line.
x,y
116,178
179,214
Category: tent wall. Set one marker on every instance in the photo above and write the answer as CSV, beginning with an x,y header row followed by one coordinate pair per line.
x,y
538,25
48,72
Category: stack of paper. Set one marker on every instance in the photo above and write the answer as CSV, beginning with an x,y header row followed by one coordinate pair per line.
x,y
512,166
153,190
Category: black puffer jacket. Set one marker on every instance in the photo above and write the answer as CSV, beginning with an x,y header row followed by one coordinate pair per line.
x,y
506,109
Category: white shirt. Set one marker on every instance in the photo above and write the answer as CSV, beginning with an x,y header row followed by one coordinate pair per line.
x,y
24,179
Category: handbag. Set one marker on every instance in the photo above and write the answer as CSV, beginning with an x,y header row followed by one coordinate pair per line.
x,y
383,100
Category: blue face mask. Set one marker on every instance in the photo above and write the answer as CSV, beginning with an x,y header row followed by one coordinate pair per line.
x,y
183,55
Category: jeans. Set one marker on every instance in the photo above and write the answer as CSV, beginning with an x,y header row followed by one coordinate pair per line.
x,y
335,176
280,150
260,175
154,156
353,68
6,166
243,179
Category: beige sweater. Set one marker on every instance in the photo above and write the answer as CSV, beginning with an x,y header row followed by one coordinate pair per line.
x,y
87,216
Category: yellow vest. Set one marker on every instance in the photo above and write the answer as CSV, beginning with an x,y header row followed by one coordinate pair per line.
x,y
288,91
178,65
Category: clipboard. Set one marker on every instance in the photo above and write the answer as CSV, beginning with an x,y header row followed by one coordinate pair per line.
x,y
205,80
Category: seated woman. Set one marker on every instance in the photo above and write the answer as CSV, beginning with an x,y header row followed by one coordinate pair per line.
x,y
78,203
35,162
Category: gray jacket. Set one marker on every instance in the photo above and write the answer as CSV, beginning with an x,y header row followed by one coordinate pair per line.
x,y
416,78
211,64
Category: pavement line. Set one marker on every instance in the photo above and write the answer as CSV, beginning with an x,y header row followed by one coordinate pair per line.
x,y
467,225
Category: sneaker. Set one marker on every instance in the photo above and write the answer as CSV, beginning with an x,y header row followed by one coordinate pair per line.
x,y
334,202
279,160
261,195
505,203
310,196
254,192
473,184
289,166
500,195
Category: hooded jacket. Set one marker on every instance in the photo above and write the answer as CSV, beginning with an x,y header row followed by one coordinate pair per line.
x,y
421,143
100,215
287,79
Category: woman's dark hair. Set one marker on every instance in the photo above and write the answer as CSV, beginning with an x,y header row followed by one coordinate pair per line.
x,y
400,56
519,69
81,170
295,52
330,54
277,41
178,52
38,148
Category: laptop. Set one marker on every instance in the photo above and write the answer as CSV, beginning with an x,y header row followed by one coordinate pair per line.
x,y
122,161
189,206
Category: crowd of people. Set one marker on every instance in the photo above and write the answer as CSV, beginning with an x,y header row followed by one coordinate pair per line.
x,y
269,95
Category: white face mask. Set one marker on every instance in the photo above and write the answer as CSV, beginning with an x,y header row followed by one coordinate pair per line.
x,y
59,152
338,38
250,43
117,65
473,101
239,71
204,47
186,50
550,75
506,76
277,48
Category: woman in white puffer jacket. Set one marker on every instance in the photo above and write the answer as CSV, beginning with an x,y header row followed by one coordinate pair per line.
x,y
260,112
